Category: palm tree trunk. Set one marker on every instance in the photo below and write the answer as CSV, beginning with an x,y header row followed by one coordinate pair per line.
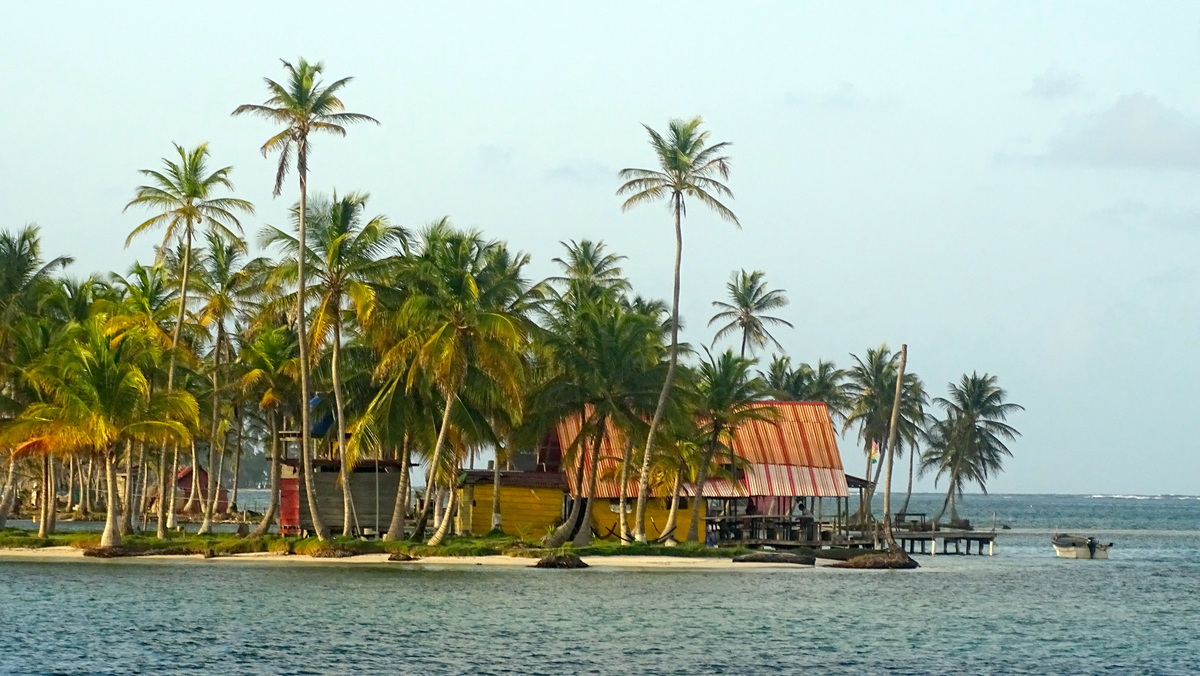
x,y
701,480
8,490
346,471
44,507
237,460
583,536
52,494
208,500
639,520
112,530
69,465
883,449
273,483
622,518
216,478
497,520
893,431
862,494
127,499
87,486
171,487
447,516
143,483
166,512
400,509
564,531
160,508
668,533
912,452
194,494
430,493
319,527
945,503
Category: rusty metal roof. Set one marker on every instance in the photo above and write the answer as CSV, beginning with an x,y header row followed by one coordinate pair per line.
x,y
794,454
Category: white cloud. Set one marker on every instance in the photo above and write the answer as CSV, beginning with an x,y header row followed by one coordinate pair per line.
x,y
1055,84
582,171
1135,213
1138,131
844,98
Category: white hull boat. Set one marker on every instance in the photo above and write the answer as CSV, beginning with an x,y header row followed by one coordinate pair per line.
x,y
1079,547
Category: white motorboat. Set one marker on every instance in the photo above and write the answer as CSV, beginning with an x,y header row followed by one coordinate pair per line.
x,y
1079,547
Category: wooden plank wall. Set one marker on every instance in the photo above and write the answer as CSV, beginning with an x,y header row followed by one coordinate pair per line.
x,y
363,490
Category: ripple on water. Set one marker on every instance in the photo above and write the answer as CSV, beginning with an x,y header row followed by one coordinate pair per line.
x,y
1010,614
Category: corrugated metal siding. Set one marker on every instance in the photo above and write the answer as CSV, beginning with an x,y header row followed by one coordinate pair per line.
x,y
795,454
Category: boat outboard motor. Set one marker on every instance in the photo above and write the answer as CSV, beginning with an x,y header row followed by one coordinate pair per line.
x,y
1091,543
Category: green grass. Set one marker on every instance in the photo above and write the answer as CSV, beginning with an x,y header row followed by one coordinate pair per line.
x,y
221,544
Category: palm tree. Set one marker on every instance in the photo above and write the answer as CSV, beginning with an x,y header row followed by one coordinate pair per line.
x,y
825,383
456,331
588,272
607,359
346,257
967,446
269,359
750,300
726,398
687,165
146,304
97,399
226,286
184,193
871,385
26,279
303,105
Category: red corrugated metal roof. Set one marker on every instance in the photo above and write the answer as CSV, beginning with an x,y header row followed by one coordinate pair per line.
x,y
794,454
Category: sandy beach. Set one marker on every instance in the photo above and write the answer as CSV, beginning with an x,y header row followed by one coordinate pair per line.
x,y
71,554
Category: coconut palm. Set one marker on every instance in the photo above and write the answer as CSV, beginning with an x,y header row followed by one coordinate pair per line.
x,y
825,383
26,279
184,193
608,363
726,398
346,257
588,272
303,104
269,362
455,330
226,286
97,399
144,301
688,167
871,385
968,445
750,300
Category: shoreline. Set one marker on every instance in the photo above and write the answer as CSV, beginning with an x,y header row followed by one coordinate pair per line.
x,y
649,562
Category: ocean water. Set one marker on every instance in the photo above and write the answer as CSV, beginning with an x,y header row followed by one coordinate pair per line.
x,y
1022,611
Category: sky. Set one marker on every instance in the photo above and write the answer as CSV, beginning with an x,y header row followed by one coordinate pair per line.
x,y
1007,188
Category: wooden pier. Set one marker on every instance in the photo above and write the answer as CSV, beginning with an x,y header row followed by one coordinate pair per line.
x,y
914,542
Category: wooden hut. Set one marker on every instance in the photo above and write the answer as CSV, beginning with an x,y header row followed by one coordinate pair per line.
x,y
183,491
787,486
530,502
373,487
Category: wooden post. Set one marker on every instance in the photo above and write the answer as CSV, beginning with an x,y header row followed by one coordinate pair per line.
x,y
933,546
991,547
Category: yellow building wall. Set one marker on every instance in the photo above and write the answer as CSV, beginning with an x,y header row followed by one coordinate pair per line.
x,y
606,520
523,510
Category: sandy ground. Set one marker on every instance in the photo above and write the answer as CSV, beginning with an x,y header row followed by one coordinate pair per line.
x,y
61,554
